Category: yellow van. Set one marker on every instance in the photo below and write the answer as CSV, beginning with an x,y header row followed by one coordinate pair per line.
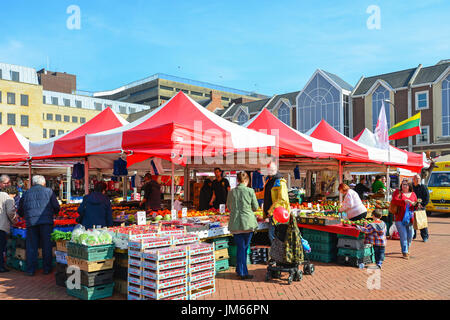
x,y
439,187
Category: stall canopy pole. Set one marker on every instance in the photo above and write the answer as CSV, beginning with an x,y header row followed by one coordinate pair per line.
x,y
29,174
186,184
86,176
69,185
173,187
340,179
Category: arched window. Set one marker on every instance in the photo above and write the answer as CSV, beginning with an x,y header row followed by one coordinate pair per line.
x,y
284,114
378,96
242,118
320,100
446,106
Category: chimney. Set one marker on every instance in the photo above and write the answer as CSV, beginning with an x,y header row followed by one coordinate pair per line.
x,y
216,101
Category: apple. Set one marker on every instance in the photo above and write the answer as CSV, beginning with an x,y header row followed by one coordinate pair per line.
x,y
158,218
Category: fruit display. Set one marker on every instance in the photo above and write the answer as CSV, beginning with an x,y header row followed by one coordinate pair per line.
x,y
91,237
378,204
362,222
323,205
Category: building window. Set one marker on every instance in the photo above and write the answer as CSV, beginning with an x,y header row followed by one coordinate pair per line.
x,y
132,110
11,98
24,121
346,116
43,100
446,106
98,106
122,109
75,119
225,99
1,77
185,91
24,100
82,120
166,88
15,76
60,132
164,98
52,133
44,134
319,100
49,116
242,118
66,118
378,97
58,117
422,100
55,101
66,102
424,137
208,95
195,93
108,106
284,114
78,103
11,119
0,118
0,96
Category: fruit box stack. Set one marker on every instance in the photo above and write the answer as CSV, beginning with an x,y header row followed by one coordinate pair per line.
x,y
175,267
353,252
95,265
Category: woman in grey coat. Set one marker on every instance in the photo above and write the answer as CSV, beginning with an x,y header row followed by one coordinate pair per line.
x,y
7,216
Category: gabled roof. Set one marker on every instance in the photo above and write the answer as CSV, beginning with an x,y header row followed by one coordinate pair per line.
x,y
430,74
339,81
253,107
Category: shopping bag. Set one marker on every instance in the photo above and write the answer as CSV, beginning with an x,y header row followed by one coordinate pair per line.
x,y
420,220
394,232
408,215
306,246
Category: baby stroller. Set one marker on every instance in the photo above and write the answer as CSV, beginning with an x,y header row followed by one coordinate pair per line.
x,y
287,253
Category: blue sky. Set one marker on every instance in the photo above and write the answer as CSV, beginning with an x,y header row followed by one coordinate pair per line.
x,y
265,46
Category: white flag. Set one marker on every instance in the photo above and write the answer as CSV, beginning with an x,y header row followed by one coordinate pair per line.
x,y
381,130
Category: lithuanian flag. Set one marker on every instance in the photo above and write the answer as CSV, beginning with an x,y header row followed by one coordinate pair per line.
x,y
407,128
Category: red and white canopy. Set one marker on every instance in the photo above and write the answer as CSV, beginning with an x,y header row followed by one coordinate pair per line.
x,y
192,126
406,160
13,146
352,150
72,144
292,142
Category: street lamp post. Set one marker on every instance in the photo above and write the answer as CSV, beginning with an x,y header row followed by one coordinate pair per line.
x,y
388,178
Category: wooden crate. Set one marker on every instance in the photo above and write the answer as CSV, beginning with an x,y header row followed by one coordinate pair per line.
x,y
90,266
61,245
221,254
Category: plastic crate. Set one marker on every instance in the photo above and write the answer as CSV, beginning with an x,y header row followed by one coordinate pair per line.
x,y
353,261
18,233
92,293
361,236
21,265
222,265
233,262
60,267
367,251
323,247
221,254
90,253
92,279
61,245
318,236
61,257
321,257
354,243
64,229
60,279
121,273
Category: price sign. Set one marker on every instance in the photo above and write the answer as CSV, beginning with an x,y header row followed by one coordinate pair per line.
x,y
318,207
335,203
141,218
309,205
174,214
222,208
184,213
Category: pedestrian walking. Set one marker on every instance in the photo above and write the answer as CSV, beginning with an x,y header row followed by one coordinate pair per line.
x,y
7,217
423,197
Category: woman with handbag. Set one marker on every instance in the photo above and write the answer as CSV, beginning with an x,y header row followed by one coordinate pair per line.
x,y
405,200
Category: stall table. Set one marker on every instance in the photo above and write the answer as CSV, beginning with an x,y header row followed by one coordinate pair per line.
x,y
338,229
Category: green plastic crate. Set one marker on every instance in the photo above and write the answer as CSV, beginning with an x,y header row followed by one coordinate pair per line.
x,y
232,250
361,236
325,237
90,253
232,261
321,257
220,243
21,265
222,265
367,251
92,293
320,247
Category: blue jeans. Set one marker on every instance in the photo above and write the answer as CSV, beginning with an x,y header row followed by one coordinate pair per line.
x,y
35,235
242,241
271,230
2,248
379,254
406,235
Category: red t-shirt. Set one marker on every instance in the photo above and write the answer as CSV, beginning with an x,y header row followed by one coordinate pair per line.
x,y
400,202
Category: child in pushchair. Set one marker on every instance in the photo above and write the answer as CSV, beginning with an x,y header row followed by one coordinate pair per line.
x,y
287,254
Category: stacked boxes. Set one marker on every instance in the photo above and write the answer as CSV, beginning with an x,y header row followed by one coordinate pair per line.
x,y
175,267
323,245
61,263
16,251
259,254
232,252
121,271
353,252
96,270
221,254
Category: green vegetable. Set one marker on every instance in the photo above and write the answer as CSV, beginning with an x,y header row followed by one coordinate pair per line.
x,y
59,235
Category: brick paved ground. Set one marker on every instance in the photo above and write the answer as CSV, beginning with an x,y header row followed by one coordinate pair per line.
x,y
424,276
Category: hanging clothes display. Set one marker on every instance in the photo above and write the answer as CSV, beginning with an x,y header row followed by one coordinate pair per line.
x,y
78,171
257,180
297,173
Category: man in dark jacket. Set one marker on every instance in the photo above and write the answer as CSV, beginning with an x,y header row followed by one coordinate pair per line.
x,y
95,210
361,188
422,193
38,206
152,193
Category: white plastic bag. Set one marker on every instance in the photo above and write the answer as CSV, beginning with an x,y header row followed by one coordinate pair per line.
x,y
393,232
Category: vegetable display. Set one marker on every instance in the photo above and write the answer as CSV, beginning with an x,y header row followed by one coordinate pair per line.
x,y
92,237
59,235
